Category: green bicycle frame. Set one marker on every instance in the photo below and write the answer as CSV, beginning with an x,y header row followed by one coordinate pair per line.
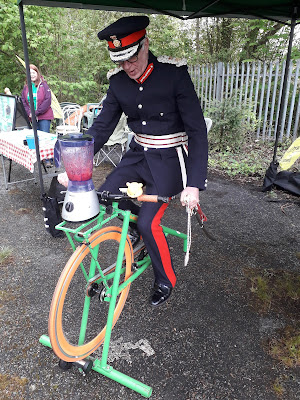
x,y
81,234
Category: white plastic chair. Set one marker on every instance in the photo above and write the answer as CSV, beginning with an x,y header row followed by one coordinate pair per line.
x,y
72,115
208,122
130,136
114,148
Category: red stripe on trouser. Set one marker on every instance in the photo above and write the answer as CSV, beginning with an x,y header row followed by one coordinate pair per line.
x,y
162,245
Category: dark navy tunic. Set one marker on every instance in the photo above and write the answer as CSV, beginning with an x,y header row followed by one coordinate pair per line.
x,y
165,103
162,102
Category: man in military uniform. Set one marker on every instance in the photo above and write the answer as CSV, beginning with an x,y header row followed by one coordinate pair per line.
x,y
163,111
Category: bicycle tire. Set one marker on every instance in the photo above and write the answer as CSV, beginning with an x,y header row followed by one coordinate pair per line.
x,y
59,315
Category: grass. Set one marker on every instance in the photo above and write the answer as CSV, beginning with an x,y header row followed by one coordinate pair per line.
x,y
5,256
279,292
249,162
286,349
12,387
278,388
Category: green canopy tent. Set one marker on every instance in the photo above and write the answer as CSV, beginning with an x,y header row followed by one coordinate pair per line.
x,y
284,11
277,10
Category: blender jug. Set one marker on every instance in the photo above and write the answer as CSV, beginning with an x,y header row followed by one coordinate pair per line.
x,y
81,201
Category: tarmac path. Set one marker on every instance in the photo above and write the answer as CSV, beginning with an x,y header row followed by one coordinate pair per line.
x,y
207,343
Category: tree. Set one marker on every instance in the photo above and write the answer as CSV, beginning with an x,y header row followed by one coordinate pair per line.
x,y
261,39
63,43
231,40
10,44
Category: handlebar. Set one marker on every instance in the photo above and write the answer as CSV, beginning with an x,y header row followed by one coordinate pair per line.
x,y
150,198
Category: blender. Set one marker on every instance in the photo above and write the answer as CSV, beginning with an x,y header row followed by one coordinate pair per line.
x,y
81,200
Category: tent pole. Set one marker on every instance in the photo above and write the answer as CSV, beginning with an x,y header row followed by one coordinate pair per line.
x,y
286,71
33,116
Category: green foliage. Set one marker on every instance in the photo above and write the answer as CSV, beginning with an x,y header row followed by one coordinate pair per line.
x,y
275,290
236,164
260,39
10,43
168,36
63,43
287,348
250,162
217,40
233,40
232,125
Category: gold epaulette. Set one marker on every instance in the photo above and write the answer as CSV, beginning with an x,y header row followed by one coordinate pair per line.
x,y
179,62
113,71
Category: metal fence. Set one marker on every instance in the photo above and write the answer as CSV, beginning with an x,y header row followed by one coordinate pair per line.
x,y
255,85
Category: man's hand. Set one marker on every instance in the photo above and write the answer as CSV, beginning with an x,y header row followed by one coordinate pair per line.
x,y
63,179
190,195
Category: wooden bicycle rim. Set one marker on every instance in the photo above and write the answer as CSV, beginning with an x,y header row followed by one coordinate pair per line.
x,y
62,348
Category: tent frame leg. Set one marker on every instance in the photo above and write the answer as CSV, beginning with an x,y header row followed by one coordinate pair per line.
x,y
34,121
286,71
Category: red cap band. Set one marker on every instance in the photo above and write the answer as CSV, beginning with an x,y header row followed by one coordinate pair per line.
x,y
128,40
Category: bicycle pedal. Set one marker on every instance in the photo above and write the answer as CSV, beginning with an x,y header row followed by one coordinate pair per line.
x,y
142,254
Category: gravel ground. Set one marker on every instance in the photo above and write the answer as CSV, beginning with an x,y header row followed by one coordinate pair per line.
x,y
208,342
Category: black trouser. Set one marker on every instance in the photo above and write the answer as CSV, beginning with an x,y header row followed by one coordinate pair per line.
x,y
149,219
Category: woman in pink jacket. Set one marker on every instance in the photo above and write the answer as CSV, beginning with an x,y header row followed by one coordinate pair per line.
x,y
41,99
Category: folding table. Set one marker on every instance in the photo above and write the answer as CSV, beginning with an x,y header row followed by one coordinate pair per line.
x,y
12,146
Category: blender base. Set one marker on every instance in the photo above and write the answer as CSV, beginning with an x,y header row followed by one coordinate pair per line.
x,y
80,206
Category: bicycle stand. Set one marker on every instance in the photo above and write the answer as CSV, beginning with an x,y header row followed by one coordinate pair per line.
x,y
109,372
100,365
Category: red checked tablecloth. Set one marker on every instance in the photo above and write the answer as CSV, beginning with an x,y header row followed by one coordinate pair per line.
x,y
12,146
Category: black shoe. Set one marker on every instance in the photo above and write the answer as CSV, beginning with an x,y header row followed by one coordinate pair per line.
x,y
134,237
160,295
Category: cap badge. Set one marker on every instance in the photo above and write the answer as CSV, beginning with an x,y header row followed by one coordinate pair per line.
x,y
116,42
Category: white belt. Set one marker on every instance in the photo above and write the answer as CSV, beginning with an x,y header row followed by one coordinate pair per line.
x,y
178,140
164,141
